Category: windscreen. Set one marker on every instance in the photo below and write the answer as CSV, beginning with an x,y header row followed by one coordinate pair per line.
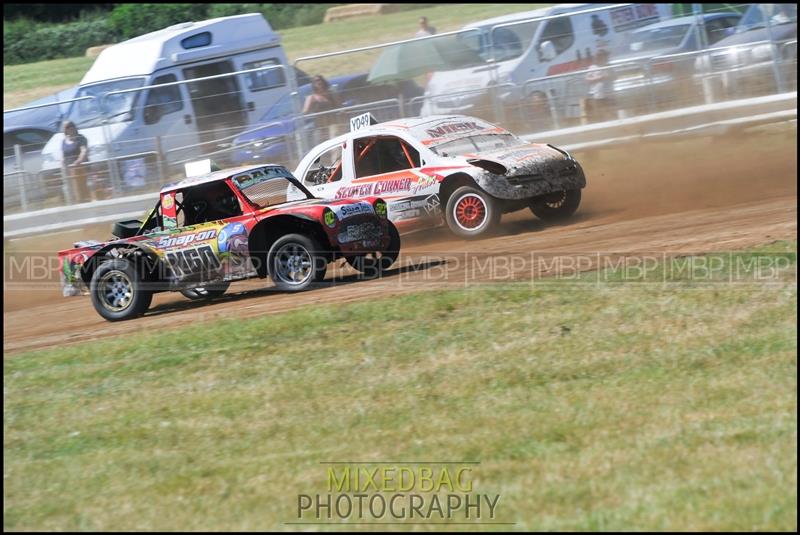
x,y
114,108
476,143
270,186
657,38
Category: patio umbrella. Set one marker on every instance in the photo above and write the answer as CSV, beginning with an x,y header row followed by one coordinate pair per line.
x,y
407,60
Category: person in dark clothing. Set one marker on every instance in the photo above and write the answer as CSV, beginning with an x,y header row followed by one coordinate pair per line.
x,y
75,149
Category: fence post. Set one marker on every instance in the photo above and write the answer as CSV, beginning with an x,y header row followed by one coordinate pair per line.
x,y
21,176
66,184
776,68
160,160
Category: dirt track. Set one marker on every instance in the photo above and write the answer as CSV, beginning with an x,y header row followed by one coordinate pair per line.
x,y
692,196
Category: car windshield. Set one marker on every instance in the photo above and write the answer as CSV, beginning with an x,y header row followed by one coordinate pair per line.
x,y
270,186
509,41
753,19
657,38
115,108
476,143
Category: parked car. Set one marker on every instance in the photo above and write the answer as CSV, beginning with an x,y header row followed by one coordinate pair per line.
x,y
31,129
514,54
645,79
21,171
744,65
456,170
272,142
207,231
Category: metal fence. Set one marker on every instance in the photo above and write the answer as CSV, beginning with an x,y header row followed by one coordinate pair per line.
x,y
529,75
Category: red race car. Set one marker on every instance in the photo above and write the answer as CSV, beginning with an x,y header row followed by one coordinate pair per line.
x,y
207,231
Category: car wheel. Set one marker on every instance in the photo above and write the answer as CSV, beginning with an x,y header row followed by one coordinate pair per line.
x,y
295,262
117,291
212,291
471,212
556,206
374,264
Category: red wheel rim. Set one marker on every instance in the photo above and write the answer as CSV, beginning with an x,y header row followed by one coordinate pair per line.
x,y
470,211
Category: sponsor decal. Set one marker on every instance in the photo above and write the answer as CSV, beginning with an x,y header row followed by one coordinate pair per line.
x,y
350,210
382,187
232,244
186,239
245,180
453,128
362,190
167,201
380,208
424,181
391,186
192,261
330,218
361,232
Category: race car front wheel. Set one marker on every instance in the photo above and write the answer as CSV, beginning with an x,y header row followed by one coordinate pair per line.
x,y
117,291
212,291
373,264
295,262
471,212
556,206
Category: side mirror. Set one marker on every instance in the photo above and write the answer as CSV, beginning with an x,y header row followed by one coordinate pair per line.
x,y
547,51
152,114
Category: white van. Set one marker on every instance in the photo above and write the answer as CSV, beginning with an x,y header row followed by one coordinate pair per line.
x,y
525,51
177,115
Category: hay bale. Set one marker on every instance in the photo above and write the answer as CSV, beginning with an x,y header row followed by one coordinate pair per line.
x,y
356,10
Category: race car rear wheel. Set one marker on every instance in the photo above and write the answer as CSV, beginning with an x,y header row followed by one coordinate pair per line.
x,y
471,212
117,291
295,262
556,206
212,291
373,264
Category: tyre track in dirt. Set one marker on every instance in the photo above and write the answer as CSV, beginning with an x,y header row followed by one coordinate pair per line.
x,y
696,196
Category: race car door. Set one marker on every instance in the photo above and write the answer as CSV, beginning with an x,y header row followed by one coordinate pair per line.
x,y
389,167
326,174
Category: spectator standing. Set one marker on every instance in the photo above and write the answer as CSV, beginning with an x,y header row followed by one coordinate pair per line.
x,y
424,28
75,149
600,104
321,100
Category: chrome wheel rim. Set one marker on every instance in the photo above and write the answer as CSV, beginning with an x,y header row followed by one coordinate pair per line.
x,y
116,291
293,264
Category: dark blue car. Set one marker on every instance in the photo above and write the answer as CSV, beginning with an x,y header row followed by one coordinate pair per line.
x,y
272,140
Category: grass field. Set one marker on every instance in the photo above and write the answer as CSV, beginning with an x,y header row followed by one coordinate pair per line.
x,y
23,83
590,406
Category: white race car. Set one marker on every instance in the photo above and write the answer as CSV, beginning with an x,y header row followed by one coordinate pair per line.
x,y
459,167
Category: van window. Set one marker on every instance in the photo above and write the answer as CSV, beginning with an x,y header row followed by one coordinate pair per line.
x,y
267,79
197,40
162,101
559,32
509,41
